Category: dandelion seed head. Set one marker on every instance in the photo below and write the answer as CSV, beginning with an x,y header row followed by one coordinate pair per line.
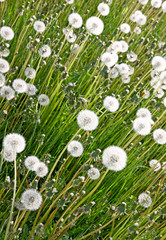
x,y
143,112
109,59
41,169
123,68
156,3
9,154
39,26
75,20
164,6
159,63
31,199
30,72
7,92
44,51
6,33
111,104
159,136
137,30
142,126
75,148
4,66
2,80
87,120
95,25
5,52
114,158
19,85
125,28
144,200
43,100
155,164
31,162
93,173
70,1
131,56
143,2
14,141
103,9
31,89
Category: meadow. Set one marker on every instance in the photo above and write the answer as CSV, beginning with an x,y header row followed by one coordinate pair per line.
x,y
82,119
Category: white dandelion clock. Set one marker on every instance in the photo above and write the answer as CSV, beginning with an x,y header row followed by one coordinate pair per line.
x,y
75,148
5,52
141,19
123,68
111,103
19,85
75,20
143,112
159,136
131,56
9,154
41,169
137,30
43,100
159,63
7,92
30,72
164,6
70,1
87,120
103,9
114,158
93,173
115,47
95,25
71,37
156,3
6,33
109,59
39,26
143,2
44,51
31,162
142,126
14,141
125,28
125,78
31,89
124,46
164,101
2,80
144,200
31,199
145,94
155,164
114,72
159,93
4,66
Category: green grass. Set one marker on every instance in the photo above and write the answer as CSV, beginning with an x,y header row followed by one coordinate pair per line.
x,y
63,216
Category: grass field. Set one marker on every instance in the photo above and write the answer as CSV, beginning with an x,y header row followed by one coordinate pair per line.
x,y
74,206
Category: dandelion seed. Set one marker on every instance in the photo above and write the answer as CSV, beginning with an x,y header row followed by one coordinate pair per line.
x,y
87,120
155,164
109,59
44,51
31,199
39,26
95,25
156,3
41,169
159,63
143,2
31,162
30,72
103,9
93,173
19,85
14,141
144,200
114,158
2,80
131,56
75,148
9,154
7,92
159,136
75,20
164,6
4,66
31,89
125,28
6,33
43,100
111,104
142,126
